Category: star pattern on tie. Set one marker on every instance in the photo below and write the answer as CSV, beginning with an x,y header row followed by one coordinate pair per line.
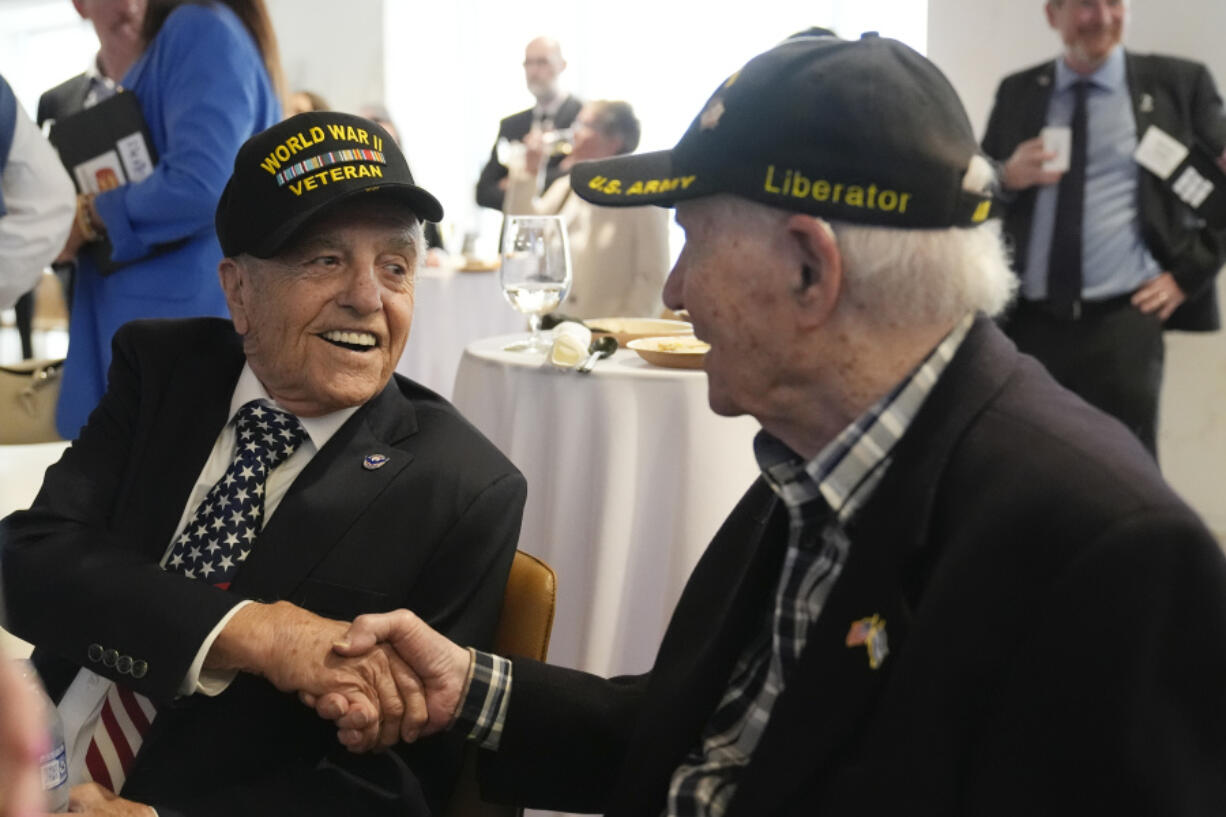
x,y
219,536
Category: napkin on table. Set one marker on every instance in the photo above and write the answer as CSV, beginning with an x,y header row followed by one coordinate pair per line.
x,y
570,344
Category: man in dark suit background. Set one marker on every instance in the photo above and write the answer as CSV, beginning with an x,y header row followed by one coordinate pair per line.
x,y
1129,258
554,110
956,589
383,497
117,24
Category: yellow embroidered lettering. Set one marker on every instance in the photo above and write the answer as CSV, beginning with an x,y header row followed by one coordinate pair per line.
x,y
613,186
872,195
902,202
887,201
770,177
317,133
337,131
636,189
350,173
337,174
821,190
652,186
669,185
686,181
855,196
309,182
800,186
282,153
296,188
838,191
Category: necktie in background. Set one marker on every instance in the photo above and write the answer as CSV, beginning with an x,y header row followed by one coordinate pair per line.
x,y
1064,263
211,547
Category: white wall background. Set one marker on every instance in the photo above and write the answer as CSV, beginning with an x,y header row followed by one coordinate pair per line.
x,y
976,42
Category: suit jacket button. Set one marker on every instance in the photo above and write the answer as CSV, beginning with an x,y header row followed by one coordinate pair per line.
x,y
110,657
139,668
94,652
124,664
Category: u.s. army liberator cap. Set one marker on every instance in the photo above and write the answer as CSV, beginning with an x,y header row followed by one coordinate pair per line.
x,y
862,130
294,170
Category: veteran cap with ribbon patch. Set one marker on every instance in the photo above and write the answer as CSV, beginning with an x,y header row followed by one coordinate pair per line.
x,y
294,170
866,130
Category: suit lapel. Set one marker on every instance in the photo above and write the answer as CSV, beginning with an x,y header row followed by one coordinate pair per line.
x,y
328,496
200,387
824,711
1033,110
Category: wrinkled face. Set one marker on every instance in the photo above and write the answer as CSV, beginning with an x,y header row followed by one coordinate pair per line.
x,y
116,22
730,279
542,64
1089,28
325,321
589,141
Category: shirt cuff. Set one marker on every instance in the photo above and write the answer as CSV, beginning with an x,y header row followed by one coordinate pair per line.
x,y
483,706
210,682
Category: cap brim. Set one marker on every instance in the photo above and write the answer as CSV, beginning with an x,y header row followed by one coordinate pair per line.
x,y
422,203
637,179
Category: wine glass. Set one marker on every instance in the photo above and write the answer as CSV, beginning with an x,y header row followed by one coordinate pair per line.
x,y
535,272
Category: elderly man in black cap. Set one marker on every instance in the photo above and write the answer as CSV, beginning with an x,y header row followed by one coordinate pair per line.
x,y
243,489
956,589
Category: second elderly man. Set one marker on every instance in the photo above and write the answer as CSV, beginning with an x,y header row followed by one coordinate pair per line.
x,y
243,487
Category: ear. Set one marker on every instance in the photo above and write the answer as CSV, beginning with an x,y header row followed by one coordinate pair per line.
x,y
1050,9
234,284
819,268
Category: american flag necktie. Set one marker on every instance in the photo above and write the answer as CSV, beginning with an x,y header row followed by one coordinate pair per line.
x,y
212,546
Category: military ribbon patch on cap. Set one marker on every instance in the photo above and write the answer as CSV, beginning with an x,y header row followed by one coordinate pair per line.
x,y
870,633
329,158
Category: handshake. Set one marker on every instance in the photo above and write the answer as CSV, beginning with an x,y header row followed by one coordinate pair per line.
x,y
382,679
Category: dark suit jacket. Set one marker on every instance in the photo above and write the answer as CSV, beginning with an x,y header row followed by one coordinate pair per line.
x,y
1180,98
433,530
1056,619
514,128
66,98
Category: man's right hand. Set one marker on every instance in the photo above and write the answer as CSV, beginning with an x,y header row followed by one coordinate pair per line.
x,y
1025,167
375,692
440,664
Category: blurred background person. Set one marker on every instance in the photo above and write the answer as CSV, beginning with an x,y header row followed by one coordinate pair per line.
x,y
208,79
620,255
305,102
554,110
36,200
117,25
379,114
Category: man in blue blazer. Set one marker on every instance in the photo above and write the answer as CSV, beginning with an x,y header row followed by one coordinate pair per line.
x,y
128,578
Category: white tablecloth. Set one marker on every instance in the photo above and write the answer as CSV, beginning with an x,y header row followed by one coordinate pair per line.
x,y
452,309
629,476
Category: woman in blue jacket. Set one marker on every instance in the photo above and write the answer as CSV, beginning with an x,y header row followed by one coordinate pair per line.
x,y
209,78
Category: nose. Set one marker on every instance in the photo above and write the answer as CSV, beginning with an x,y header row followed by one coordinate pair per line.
x,y
362,292
674,286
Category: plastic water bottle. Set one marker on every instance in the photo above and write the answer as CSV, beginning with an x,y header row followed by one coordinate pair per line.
x,y
54,762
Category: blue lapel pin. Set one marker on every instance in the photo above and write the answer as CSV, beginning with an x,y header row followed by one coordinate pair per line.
x,y
373,462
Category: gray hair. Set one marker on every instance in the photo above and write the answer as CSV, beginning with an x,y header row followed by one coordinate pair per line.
x,y
895,275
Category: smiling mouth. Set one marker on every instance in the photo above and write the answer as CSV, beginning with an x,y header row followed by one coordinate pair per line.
x,y
353,341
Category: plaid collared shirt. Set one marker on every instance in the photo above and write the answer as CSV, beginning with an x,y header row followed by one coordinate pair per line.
x,y
821,496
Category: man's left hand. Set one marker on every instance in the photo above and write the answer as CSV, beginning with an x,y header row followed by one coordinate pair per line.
x,y
99,801
1159,296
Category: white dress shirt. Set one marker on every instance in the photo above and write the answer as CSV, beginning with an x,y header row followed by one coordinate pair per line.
x,y
41,202
81,705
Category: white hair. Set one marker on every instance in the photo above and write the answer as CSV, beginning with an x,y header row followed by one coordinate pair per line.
x,y
933,276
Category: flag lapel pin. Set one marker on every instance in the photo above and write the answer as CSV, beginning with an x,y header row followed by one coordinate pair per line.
x,y
870,634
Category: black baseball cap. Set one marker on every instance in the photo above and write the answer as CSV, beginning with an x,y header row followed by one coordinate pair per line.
x,y
297,168
864,130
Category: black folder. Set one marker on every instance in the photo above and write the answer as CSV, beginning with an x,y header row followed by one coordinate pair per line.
x,y
104,147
